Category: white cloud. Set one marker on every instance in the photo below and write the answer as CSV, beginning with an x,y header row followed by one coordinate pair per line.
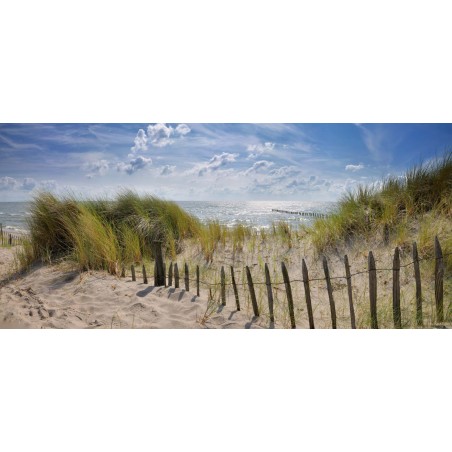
x,y
99,168
182,129
258,166
167,170
354,168
134,164
140,142
216,162
258,149
161,135
29,183
8,183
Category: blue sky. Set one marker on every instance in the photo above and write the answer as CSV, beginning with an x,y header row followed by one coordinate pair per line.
x,y
211,161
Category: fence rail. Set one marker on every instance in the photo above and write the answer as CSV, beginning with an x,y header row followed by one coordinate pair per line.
x,y
249,285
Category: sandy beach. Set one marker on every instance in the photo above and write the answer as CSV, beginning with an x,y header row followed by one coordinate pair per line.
x,y
60,297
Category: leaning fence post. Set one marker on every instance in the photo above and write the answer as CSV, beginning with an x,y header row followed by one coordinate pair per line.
x,y
197,280
289,294
372,290
132,269
350,292
145,278
186,278
223,286
417,277
439,275
330,292
159,275
396,289
234,286
307,292
386,234
268,283
252,293
170,274
176,276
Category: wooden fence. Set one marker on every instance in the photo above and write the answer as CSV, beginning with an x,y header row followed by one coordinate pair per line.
x,y
8,239
371,271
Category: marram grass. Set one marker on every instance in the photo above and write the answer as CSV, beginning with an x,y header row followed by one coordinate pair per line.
x,y
104,234
424,192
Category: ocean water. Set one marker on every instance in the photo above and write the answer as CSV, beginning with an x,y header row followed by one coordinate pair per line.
x,y
13,215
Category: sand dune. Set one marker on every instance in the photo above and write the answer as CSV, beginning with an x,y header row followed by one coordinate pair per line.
x,y
58,297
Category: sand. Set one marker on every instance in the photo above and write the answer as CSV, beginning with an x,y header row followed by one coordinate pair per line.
x,y
60,297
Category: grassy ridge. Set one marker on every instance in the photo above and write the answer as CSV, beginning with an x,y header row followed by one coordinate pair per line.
x,y
422,194
102,234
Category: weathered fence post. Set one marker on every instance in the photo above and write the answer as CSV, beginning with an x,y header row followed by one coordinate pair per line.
x,y
439,275
132,269
10,239
176,276
396,289
372,291
417,277
289,294
1,232
252,293
268,283
197,280
186,278
223,286
164,273
123,271
236,292
159,275
350,292
386,234
330,293
170,274
307,292
145,278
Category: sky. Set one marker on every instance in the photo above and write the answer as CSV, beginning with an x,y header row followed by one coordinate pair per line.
x,y
312,162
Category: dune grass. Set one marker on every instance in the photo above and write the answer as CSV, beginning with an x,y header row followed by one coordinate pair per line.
x,y
105,234
399,202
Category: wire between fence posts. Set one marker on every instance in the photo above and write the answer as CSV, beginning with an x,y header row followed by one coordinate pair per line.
x,y
350,292
170,275
307,293
439,275
372,291
396,289
289,295
417,278
176,276
186,278
330,293
268,283
236,292
252,292
132,270
145,278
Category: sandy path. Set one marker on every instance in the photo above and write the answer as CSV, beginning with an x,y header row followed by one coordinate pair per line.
x,y
57,297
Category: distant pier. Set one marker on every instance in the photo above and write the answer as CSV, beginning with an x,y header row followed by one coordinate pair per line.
x,y
303,214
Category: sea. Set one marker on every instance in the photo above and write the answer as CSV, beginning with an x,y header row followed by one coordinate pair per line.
x,y
259,214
